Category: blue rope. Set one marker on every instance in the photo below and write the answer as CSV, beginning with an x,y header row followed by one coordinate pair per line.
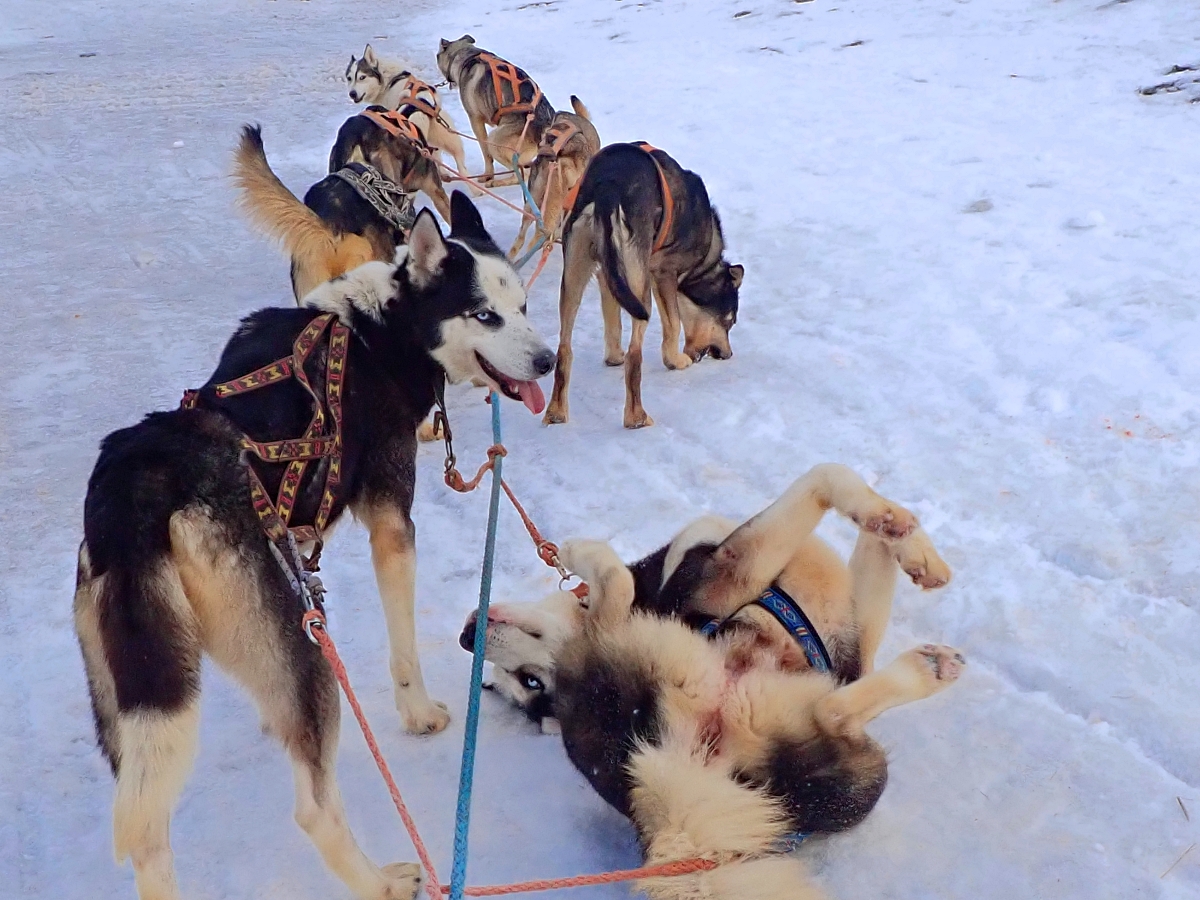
x,y
537,213
462,815
532,250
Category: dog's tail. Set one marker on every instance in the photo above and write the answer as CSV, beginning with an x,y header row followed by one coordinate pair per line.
x,y
275,210
611,217
687,807
580,109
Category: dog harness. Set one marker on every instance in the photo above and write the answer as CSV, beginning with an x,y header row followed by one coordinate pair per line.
x,y
668,219
392,201
555,138
507,76
321,440
414,87
789,614
397,124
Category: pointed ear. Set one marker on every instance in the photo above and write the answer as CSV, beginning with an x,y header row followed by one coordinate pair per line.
x,y
736,272
369,57
445,43
426,249
465,220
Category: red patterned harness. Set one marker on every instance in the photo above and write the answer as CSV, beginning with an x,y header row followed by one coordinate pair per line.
x,y
317,443
505,74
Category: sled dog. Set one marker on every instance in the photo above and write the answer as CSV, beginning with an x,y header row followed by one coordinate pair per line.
x,y
175,561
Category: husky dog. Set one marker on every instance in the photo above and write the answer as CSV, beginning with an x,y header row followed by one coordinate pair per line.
x,y
391,85
566,148
402,158
335,229
721,746
497,93
646,223
174,562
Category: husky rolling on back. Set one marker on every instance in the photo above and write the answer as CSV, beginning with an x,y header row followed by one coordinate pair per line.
x,y
495,92
716,691
391,85
647,224
175,563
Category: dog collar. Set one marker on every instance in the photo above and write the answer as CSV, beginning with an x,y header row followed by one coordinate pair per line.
x,y
787,612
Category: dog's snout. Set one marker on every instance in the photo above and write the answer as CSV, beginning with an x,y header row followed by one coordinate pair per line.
x,y
543,363
718,352
466,640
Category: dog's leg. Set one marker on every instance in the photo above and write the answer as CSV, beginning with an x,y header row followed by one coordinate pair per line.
x,y
394,555
609,581
755,554
873,582
914,675
519,241
141,653
635,413
610,309
481,135
665,292
578,267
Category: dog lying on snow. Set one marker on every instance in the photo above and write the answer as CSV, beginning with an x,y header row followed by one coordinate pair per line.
x,y
495,92
723,746
175,562
335,229
646,223
391,85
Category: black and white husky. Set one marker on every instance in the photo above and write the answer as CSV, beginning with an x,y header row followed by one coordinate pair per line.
x,y
174,563
705,717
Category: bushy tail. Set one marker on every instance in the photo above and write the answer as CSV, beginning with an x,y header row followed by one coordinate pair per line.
x,y
685,807
580,109
275,210
610,216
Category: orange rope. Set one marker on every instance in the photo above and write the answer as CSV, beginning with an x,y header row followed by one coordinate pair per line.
x,y
314,622
665,870
541,264
458,176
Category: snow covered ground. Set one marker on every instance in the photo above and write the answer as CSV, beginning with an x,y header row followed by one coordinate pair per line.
x,y
973,272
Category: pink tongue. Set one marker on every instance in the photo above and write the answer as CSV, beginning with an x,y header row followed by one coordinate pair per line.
x,y
531,395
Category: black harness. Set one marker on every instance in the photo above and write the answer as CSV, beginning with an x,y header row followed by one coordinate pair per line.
x,y
789,614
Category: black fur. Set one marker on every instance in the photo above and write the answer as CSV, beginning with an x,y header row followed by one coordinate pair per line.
x,y
622,180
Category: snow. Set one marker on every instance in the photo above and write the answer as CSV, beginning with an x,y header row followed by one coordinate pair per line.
x,y
972,269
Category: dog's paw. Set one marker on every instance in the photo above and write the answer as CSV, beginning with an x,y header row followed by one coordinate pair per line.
x,y
638,419
427,432
920,561
939,663
428,718
616,358
676,361
402,881
555,415
888,520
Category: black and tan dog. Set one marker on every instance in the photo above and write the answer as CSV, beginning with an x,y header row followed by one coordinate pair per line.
x,y
567,147
176,564
716,691
495,92
337,228
649,226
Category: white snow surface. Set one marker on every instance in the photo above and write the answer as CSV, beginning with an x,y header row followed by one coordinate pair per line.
x,y
973,271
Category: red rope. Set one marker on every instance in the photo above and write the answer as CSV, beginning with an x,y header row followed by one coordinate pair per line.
x,y
665,870
541,264
314,622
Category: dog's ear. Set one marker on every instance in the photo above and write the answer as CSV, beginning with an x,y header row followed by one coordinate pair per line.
x,y
467,38
350,65
426,249
444,44
736,272
369,57
465,220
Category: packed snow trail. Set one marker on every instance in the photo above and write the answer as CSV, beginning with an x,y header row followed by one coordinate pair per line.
x,y
972,275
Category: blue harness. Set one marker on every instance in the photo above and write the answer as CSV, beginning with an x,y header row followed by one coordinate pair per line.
x,y
789,614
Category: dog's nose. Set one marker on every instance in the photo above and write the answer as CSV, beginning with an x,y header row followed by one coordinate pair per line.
x,y
543,363
719,353
466,640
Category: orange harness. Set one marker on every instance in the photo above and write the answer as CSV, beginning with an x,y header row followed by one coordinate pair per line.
x,y
556,137
504,74
315,444
668,220
413,88
396,124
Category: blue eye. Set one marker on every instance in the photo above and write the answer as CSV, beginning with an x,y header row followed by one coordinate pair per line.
x,y
486,317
